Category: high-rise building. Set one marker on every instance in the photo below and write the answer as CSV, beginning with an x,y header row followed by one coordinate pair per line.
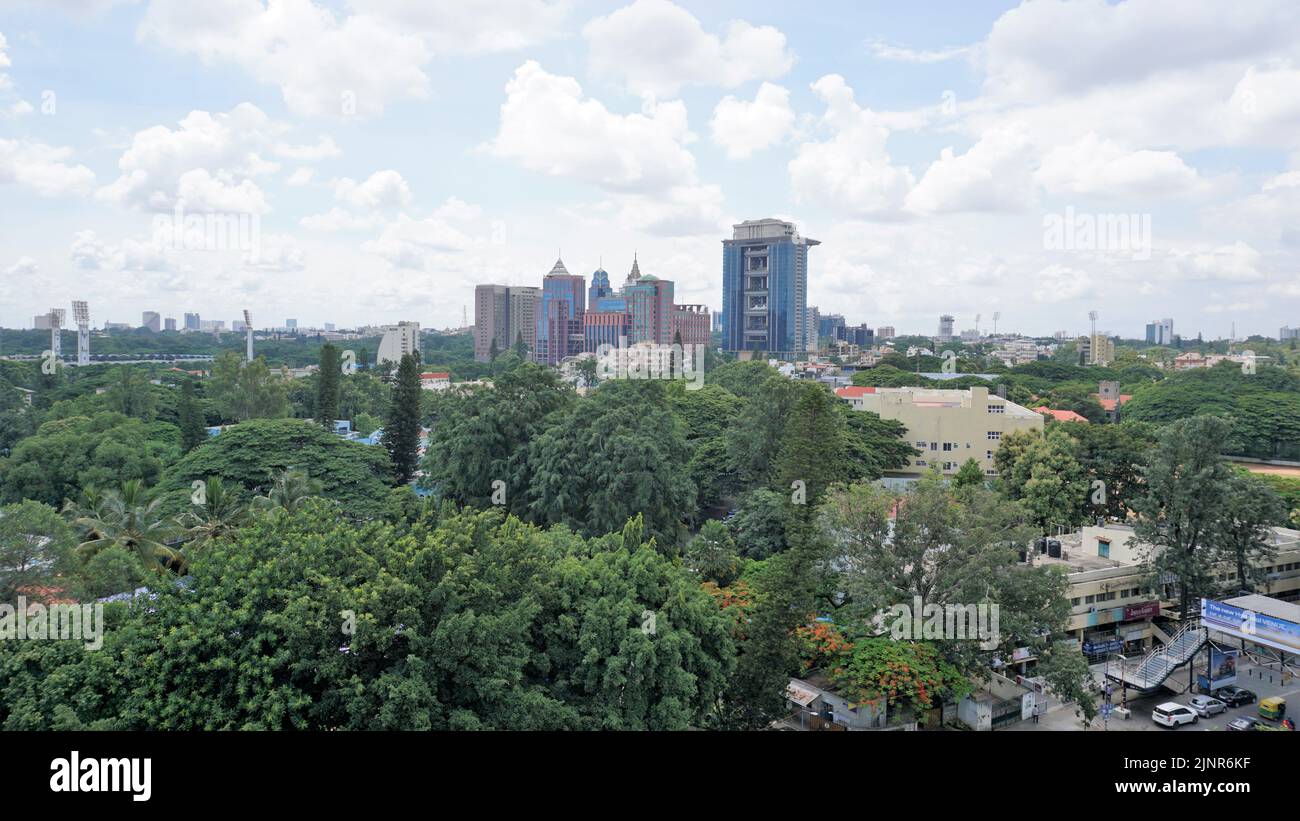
x,y
885,332
1288,332
945,328
810,325
151,320
291,324
828,325
650,308
41,322
691,324
859,335
398,340
192,322
560,332
765,288
604,328
169,324
1099,349
1160,333
503,314
599,286
329,327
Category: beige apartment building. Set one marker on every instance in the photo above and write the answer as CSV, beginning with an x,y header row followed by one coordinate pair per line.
x,y
947,426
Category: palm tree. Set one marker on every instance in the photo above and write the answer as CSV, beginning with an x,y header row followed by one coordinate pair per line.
x,y
128,518
220,515
289,490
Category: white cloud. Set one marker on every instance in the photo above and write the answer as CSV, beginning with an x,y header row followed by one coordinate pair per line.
x,y
996,174
324,66
1059,283
88,251
547,125
300,176
324,148
1238,262
337,219
1094,166
41,168
656,47
852,168
381,189
416,244
341,64
213,156
24,267
742,127
900,54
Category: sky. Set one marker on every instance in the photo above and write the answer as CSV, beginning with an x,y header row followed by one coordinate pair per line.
x,y
1037,160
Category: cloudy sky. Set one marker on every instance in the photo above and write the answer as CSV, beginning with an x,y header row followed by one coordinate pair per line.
x,y
951,157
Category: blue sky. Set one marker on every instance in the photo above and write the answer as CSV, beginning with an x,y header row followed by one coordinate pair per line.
x,y
395,152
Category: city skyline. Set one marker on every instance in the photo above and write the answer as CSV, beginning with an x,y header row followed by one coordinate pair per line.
x,y
975,154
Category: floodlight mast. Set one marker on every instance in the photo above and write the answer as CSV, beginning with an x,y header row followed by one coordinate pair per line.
x,y
81,312
57,315
248,333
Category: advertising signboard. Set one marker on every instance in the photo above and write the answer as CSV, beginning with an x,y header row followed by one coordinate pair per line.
x,y
1223,670
1268,631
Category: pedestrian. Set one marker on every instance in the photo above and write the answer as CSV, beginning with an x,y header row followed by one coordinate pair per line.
x,y
1038,711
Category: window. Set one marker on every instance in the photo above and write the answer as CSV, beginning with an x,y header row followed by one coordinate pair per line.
x,y
1089,599
934,446
947,446
920,463
1074,602
1103,548
999,408
920,445
995,435
988,454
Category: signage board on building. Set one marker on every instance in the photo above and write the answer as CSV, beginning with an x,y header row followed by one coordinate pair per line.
x,y
1250,625
1146,610
1223,670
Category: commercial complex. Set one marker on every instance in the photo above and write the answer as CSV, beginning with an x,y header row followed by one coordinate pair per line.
x,y
1160,333
504,314
765,288
946,426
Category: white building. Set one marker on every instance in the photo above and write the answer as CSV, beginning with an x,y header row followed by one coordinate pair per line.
x,y
399,340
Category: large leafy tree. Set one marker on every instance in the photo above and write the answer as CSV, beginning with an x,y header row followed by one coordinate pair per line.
x,y
65,456
812,445
247,390
472,623
754,439
35,550
193,425
617,454
250,455
1180,514
1244,531
482,437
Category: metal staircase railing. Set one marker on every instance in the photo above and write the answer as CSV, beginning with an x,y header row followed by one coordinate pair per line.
x,y
1156,666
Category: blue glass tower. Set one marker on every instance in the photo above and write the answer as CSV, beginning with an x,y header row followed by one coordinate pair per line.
x,y
765,288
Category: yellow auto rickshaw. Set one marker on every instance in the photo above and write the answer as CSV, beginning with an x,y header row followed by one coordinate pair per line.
x,y
1272,708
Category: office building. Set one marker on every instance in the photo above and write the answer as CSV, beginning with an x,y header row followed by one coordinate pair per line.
x,y
945,328
151,320
885,332
41,322
765,288
169,324
946,426
398,340
1160,333
502,315
1099,349
690,324
291,324
859,335
192,322
600,286
828,326
604,328
650,309
560,332
1288,333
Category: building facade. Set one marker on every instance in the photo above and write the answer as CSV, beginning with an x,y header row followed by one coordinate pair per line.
x,y
691,324
559,323
765,288
398,340
946,426
151,320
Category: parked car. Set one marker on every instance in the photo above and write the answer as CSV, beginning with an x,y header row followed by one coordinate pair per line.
x,y
1171,714
1244,723
1234,696
1206,706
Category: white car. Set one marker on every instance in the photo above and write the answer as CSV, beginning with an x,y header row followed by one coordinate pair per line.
x,y
1206,706
1171,714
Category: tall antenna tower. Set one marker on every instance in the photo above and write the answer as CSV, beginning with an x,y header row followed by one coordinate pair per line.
x,y
996,316
81,313
248,333
57,316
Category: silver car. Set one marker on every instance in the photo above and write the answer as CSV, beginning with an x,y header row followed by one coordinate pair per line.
x,y
1206,706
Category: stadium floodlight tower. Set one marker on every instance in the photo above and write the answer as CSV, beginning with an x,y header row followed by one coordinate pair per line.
x,y
1092,318
57,315
248,333
81,313
996,316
